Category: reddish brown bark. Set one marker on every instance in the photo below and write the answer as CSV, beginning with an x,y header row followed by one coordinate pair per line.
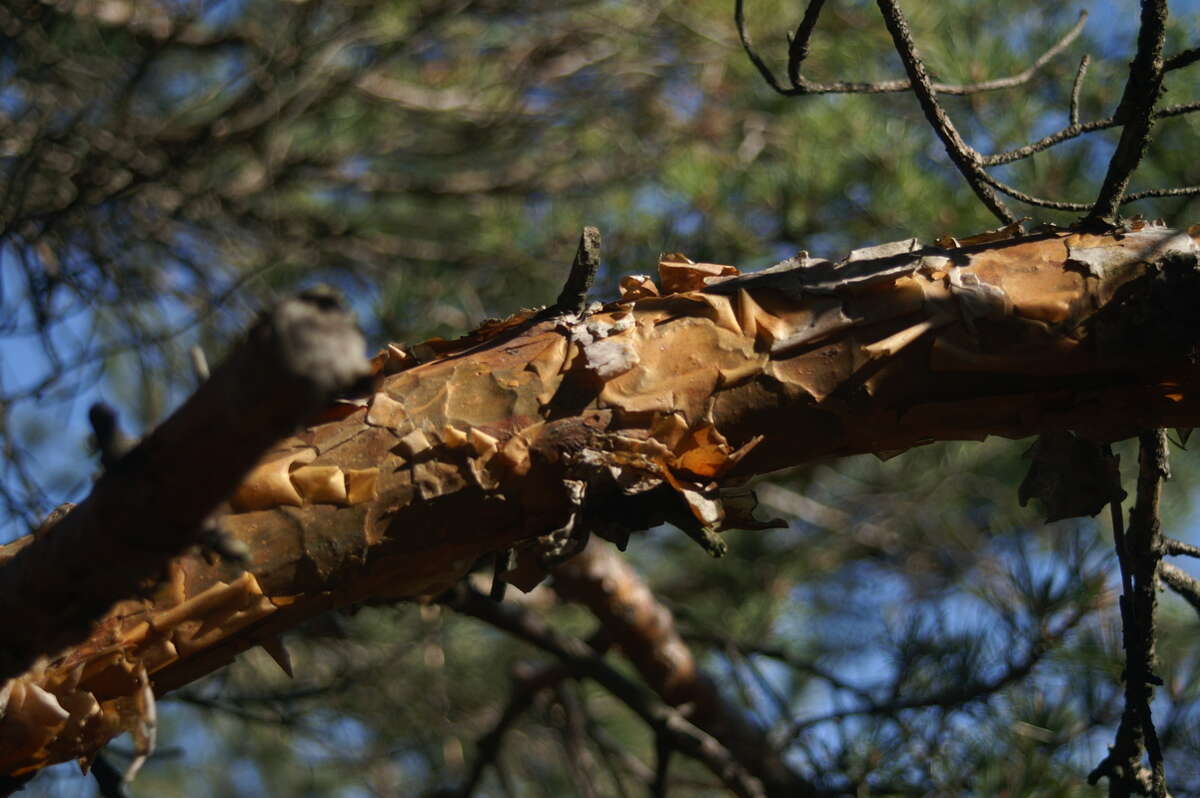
x,y
642,411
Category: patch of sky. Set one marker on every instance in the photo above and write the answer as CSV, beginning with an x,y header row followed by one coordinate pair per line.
x,y
247,778
330,735
652,199
687,223
683,98
216,14
540,100
12,98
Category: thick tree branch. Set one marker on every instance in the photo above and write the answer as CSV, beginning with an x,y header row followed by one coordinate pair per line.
x,y
632,416
150,503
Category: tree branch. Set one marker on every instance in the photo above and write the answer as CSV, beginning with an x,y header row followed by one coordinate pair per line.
x,y
150,504
962,155
665,721
614,423
798,52
1139,553
604,582
1142,91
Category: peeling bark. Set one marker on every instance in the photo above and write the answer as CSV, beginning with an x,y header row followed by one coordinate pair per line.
x,y
641,411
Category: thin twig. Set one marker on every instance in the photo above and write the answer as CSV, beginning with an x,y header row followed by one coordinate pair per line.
x,y
1072,132
1181,191
664,720
958,695
1183,59
1182,583
1139,554
662,766
523,692
1175,548
1076,86
963,155
798,51
1142,91
798,47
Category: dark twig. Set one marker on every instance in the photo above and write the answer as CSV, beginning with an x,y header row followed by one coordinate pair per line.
x,y
1183,59
798,46
110,443
798,51
1080,74
1074,131
958,695
662,765
505,561
1030,199
1182,583
1142,91
1176,548
525,689
1139,553
664,720
109,781
964,157
573,298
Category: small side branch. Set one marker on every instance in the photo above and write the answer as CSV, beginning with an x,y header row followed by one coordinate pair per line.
x,y
1181,60
1139,553
573,298
1177,548
798,52
1080,74
798,47
1182,583
1142,91
964,157
666,722
152,501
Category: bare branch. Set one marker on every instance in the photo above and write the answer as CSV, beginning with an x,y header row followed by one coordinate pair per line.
x,y
798,47
1182,583
963,155
798,52
1142,91
665,721
1183,59
1176,548
1073,116
1071,132
1139,553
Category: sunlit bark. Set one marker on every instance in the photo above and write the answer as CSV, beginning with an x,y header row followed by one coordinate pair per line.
x,y
645,410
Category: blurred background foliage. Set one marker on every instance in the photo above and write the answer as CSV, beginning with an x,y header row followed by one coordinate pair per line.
x,y
169,167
